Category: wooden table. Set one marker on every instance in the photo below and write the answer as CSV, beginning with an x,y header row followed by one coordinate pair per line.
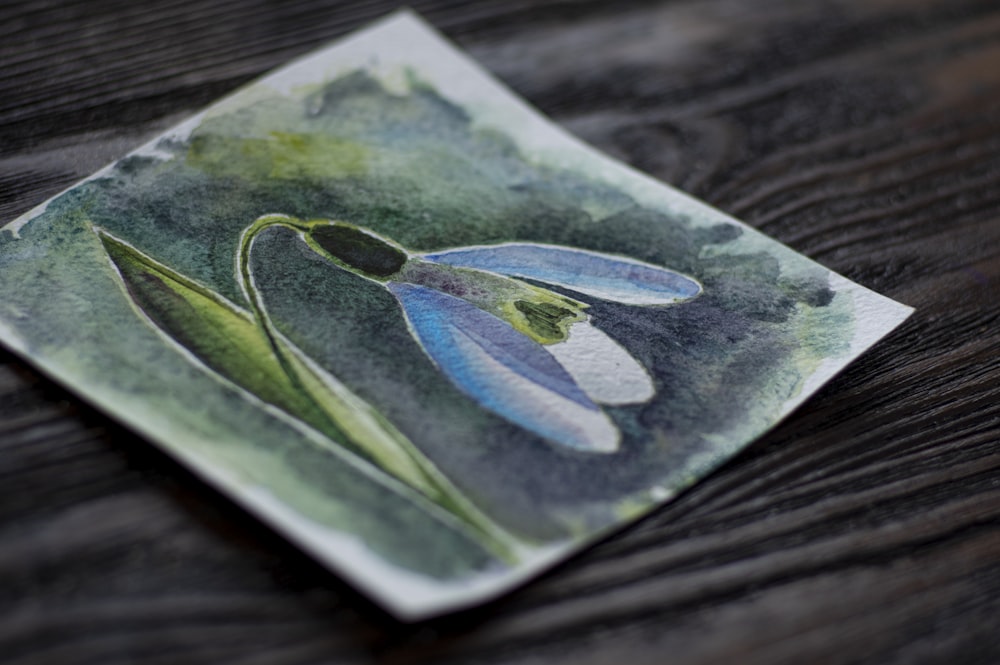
x,y
866,528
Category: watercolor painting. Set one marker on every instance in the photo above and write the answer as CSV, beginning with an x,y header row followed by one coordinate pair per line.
x,y
415,327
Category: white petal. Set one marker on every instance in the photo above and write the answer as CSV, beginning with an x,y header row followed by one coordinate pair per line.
x,y
599,365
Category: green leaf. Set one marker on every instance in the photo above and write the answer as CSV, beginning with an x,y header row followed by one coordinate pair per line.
x,y
244,347
223,336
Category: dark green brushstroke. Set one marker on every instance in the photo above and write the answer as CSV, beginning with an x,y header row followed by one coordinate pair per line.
x,y
359,250
547,320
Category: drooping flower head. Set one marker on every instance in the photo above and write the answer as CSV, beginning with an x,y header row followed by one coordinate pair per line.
x,y
529,354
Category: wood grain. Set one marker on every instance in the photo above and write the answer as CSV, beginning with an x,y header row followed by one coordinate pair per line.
x,y
864,529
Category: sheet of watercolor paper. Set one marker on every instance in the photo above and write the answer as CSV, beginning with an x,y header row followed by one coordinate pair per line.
x,y
415,327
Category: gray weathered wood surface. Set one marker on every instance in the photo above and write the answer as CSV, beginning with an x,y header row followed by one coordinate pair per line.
x,y
866,528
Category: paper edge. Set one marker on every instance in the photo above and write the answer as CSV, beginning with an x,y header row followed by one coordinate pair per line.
x,y
339,559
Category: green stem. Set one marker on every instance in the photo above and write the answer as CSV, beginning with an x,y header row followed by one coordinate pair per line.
x,y
361,427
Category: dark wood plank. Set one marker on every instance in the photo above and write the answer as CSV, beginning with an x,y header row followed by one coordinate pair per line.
x,y
866,528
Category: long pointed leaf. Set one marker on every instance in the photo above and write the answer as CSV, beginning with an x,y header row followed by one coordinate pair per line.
x,y
223,336
246,350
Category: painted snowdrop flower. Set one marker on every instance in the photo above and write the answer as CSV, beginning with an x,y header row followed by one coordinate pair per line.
x,y
526,353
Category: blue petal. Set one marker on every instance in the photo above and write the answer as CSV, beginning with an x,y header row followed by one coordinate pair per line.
x,y
601,275
503,370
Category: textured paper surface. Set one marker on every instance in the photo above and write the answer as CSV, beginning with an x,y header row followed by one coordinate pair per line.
x,y
415,327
